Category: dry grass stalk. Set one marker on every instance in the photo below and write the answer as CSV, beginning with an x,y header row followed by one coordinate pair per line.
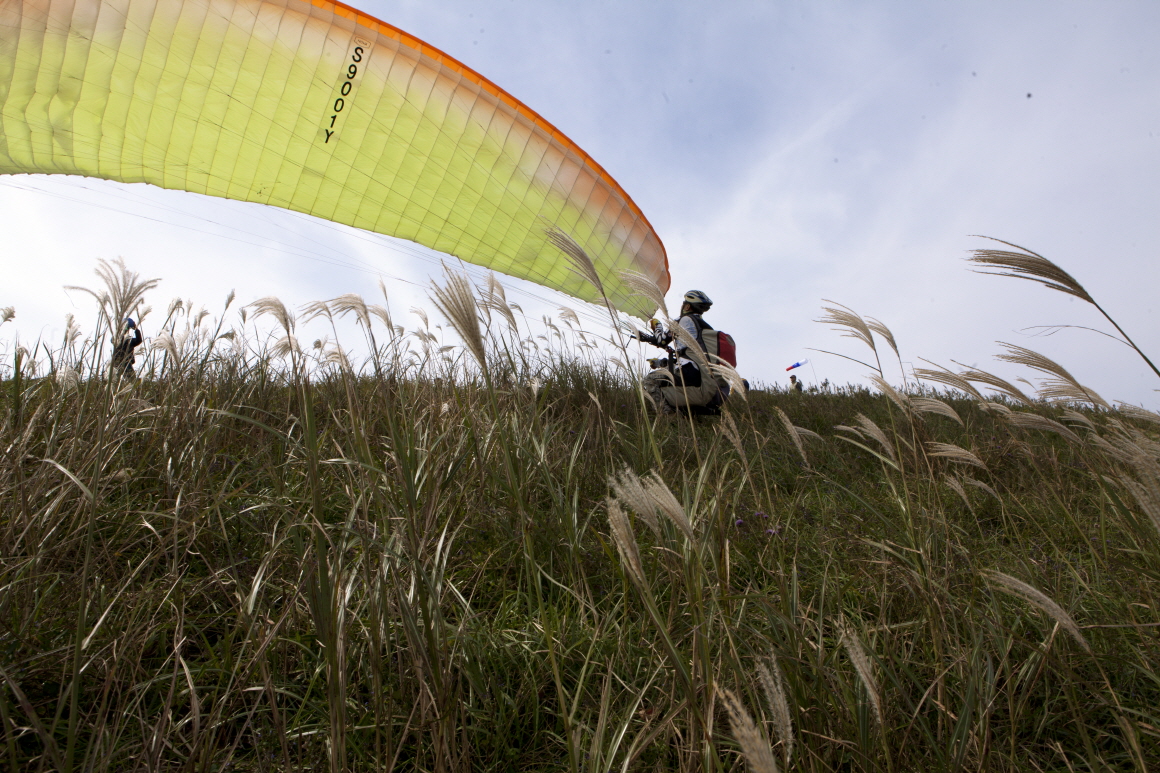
x,y
1063,387
873,430
1028,265
315,309
569,317
728,428
749,737
1131,411
1147,494
692,349
664,500
68,378
995,407
7,313
896,397
336,355
495,299
582,265
273,307
625,542
169,344
352,303
954,453
456,302
630,491
124,289
286,346
647,288
999,384
862,665
1037,598
793,435
1064,391
943,376
1035,421
1075,417
938,407
725,371
72,331
981,486
774,687
496,289
849,323
881,329
956,486
1142,454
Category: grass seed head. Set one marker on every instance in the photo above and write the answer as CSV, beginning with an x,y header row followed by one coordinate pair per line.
x,y
881,329
849,323
271,306
625,542
124,290
725,371
954,453
1037,598
582,265
953,380
646,287
630,491
773,686
862,665
794,434
749,737
935,406
1028,420
995,382
873,430
1029,265
456,302
664,500
1063,387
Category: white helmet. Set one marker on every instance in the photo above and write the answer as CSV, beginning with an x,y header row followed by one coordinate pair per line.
x,y
698,298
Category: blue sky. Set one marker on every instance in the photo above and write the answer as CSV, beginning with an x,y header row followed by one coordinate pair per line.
x,y
785,153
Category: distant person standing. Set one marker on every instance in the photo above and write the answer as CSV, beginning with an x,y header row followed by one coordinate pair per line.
x,y
123,357
794,384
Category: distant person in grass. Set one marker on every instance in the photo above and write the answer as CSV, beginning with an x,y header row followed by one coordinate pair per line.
x,y
123,357
794,384
681,384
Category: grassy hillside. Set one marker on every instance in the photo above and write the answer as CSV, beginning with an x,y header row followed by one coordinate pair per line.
x,y
260,558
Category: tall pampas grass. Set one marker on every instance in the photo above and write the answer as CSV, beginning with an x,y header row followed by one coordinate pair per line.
x,y
861,663
773,685
1033,267
1038,599
753,743
123,291
581,264
456,302
625,542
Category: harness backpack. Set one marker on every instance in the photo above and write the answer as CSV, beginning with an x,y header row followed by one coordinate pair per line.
x,y
718,345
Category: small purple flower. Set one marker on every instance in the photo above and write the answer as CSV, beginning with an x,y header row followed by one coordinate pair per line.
x,y
738,522
770,531
763,515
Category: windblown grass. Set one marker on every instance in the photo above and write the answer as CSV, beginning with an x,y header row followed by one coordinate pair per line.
x,y
263,556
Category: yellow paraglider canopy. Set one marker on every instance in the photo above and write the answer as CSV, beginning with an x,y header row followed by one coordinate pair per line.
x,y
318,108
